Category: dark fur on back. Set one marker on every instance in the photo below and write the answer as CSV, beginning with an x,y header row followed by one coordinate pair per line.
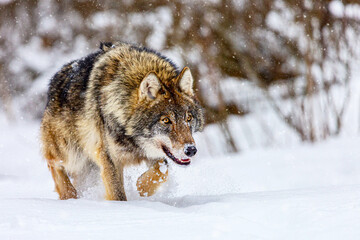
x,y
67,92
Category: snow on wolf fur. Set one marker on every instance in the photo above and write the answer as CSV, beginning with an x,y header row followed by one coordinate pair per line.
x,y
119,106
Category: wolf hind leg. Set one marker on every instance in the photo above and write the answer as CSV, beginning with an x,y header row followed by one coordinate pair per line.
x,y
63,185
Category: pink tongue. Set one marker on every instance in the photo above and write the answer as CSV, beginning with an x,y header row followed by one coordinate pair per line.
x,y
185,160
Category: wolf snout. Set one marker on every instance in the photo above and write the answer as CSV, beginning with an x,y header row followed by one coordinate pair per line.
x,y
190,150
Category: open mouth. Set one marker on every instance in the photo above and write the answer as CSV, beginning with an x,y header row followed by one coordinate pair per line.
x,y
172,157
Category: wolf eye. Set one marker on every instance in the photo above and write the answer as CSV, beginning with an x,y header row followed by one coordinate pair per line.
x,y
189,118
166,120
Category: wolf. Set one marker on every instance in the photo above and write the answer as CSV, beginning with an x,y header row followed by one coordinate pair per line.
x,y
119,106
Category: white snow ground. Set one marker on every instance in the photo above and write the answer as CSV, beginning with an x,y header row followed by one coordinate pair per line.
x,y
303,192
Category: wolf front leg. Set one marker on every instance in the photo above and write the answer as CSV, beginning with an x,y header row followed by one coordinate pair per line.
x,y
112,178
150,181
63,184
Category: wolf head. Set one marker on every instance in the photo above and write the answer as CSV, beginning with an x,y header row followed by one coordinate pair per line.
x,y
166,117
147,106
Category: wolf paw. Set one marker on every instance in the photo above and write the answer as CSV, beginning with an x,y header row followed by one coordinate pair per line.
x,y
150,181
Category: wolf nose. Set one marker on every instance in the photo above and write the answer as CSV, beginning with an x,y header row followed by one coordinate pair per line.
x,y
190,151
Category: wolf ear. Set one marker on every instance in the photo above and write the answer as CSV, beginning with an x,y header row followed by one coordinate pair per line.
x,y
149,86
186,81
105,46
